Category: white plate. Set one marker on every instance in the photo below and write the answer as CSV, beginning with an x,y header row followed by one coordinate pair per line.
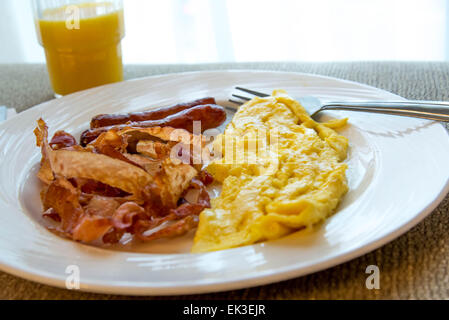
x,y
398,173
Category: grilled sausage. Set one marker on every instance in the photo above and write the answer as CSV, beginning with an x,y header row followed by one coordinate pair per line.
x,y
210,115
106,120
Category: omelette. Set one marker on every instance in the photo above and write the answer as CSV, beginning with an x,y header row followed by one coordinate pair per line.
x,y
280,172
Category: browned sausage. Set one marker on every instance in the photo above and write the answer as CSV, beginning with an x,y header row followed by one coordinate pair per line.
x,y
210,115
105,120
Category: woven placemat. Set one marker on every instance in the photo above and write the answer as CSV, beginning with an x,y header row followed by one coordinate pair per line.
x,y
414,266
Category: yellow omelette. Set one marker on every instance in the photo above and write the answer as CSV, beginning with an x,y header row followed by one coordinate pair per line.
x,y
280,172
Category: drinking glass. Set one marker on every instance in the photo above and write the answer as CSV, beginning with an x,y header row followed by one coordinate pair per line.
x,y
82,42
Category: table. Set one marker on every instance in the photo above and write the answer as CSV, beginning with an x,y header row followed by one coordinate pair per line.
x,y
414,266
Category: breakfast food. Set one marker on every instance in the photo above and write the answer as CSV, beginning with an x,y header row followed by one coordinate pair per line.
x,y
125,181
106,120
292,177
210,115
141,174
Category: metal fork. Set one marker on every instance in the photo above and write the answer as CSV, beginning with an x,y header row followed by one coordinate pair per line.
x,y
432,110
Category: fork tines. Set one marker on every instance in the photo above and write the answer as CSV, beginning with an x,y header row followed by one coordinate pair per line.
x,y
256,93
253,92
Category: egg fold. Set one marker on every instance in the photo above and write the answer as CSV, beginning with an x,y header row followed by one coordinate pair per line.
x,y
280,170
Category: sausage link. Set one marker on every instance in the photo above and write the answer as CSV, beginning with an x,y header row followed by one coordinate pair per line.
x,y
210,115
106,120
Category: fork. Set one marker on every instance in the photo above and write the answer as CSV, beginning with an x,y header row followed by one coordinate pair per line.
x,y
432,110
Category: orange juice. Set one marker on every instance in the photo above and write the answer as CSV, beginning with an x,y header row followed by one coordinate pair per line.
x,y
84,57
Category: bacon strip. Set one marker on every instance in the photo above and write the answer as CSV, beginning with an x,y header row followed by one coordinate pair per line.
x,y
62,139
176,229
125,214
63,197
45,173
186,217
113,172
102,192
91,228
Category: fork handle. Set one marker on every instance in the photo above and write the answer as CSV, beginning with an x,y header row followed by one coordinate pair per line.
x,y
432,110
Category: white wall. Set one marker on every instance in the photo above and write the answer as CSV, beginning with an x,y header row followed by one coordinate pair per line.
x,y
194,31
18,42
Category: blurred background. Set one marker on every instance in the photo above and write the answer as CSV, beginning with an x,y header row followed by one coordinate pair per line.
x,y
200,31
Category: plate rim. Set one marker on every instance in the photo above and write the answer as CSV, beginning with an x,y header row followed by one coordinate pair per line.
x,y
282,273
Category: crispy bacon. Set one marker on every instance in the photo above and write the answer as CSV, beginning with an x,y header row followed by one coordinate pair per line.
x,y
113,236
111,144
45,173
186,217
95,197
91,228
61,140
113,153
124,216
101,206
62,197
51,214
205,177
178,228
89,186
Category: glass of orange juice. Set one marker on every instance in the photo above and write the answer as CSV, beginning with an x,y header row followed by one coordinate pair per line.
x,y
82,42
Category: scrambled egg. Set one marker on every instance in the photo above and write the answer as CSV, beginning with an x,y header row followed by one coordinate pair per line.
x,y
280,172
